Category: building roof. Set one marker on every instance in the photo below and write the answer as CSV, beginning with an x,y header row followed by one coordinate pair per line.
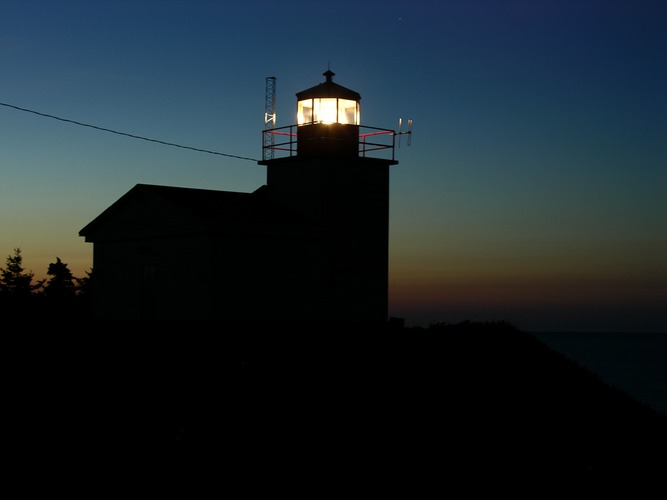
x,y
208,209
328,89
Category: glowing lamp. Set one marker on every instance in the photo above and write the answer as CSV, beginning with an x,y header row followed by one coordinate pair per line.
x,y
328,120
328,110
328,103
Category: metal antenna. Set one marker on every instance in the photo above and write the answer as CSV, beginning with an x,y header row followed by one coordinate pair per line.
x,y
408,132
269,117
400,124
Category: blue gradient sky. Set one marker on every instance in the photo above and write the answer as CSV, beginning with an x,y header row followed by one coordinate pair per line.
x,y
534,190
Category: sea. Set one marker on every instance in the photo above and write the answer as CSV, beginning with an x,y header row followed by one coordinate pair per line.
x,y
634,362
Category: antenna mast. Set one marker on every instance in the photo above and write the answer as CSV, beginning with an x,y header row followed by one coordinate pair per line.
x,y
399,133
269,117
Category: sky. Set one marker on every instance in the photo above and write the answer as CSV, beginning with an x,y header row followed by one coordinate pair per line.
x,y
534,189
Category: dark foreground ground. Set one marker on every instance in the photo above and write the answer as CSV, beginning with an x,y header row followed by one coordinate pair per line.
x,y
279,405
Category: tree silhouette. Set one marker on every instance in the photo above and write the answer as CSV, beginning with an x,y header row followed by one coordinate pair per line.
x,y
60,295
15,281
16,286
61,286
84,288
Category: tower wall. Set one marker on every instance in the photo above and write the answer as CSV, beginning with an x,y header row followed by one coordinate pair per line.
x,y
329,140
348,201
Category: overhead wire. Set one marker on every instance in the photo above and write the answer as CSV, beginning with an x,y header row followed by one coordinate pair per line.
x,y
104,129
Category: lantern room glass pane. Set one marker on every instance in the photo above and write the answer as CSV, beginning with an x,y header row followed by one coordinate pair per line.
x,y
348,112
324,110
328,110
304,112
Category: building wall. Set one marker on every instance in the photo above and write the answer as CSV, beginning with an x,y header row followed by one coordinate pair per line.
x,y
153,278
221,277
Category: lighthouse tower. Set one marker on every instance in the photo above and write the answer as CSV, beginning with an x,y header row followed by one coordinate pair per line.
x,y
334,173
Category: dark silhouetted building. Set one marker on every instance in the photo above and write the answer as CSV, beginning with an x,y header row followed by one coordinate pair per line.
x,y
311,244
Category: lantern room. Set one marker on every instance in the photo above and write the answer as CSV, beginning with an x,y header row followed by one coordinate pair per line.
x,y
328,120
327,126
328,103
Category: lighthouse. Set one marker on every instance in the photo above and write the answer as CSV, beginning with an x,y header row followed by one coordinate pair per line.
x,y
335,172
311,244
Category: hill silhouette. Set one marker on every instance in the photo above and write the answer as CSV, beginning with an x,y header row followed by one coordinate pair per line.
x,y
324,400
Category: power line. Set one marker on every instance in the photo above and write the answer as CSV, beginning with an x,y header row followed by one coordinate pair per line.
x,y
125,133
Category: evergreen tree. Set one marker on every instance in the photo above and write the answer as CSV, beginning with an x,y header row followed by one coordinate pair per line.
x,y
84,285
15,281
17,287
84,289
61,285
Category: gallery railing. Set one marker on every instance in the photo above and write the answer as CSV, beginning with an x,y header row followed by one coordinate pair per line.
x,y
374,142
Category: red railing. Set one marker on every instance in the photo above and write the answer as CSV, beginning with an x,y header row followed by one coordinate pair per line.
x,y
279,139
365,146
281,142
